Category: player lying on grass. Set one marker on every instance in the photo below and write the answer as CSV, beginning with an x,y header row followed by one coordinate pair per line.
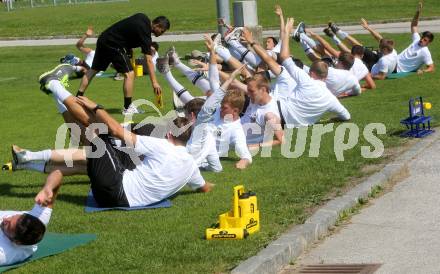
x,y
147,171
21,231
217,118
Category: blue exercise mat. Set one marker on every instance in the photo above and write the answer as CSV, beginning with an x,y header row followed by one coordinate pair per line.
x,y
54,243
92,205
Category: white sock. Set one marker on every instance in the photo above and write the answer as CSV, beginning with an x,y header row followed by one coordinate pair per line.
x,y
58,90
178,89
308,40
342,34
37,166
43,155
194,76
304,45
336,40
245,54
60,106
223,53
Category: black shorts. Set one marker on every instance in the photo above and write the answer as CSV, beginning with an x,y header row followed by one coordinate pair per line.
x,y
106,174
106,54
370,57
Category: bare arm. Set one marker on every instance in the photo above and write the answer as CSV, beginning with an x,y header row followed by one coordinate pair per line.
x,y
285,50
325,44
156,87
369,82
273,65
429,68
80,44
115,129
380,76
367,27
47,195
279,12
207,187
415,20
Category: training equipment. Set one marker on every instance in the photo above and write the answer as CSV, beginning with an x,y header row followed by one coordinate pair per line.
x,y
139,70
301,28
60,73
52,244
92,205
159,101
242,220
8,167
417,123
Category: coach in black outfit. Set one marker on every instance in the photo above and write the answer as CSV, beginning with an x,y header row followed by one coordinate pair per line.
x,y
115,45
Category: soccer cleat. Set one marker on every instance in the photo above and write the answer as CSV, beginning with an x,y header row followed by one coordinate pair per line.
x,y
234,34
132,109
333,27
60,73
218,42
18,155
173,57
301,28
163,64
328,32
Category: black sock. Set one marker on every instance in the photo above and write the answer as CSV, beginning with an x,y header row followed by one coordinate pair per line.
x,y
80,93
127,102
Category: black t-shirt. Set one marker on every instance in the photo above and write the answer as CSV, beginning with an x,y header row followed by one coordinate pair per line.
x,y
131,32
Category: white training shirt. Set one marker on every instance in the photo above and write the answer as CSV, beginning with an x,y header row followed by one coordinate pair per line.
x,y
229,134
10,252
386,64
359,69
254,120
310,101
89,58
342,81
283,85
202,147
165,169
414,56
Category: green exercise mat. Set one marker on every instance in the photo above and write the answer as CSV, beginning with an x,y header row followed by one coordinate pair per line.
x,y
399,75
52,244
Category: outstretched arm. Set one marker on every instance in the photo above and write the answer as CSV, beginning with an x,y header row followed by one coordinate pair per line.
x,y
279,12
366,26
47,195
415,20
80,44
273,65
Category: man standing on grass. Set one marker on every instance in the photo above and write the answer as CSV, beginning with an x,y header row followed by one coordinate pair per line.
x,y
115,46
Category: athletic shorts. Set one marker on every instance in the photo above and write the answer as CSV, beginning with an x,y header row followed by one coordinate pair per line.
x,y
370,57
105,54
106,174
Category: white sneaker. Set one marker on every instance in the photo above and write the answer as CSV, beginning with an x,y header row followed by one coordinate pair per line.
x,y
218,42
132,109
234,34
173,57
163,64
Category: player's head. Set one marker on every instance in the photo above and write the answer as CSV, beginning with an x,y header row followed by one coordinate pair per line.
x,y
386,46
180,130
345,61
232,104
426,38
258,87
271,42
358,50
159,25
319,70
192,108
23,229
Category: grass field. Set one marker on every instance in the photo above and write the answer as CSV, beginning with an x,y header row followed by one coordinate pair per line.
x,y
171,240
196,15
